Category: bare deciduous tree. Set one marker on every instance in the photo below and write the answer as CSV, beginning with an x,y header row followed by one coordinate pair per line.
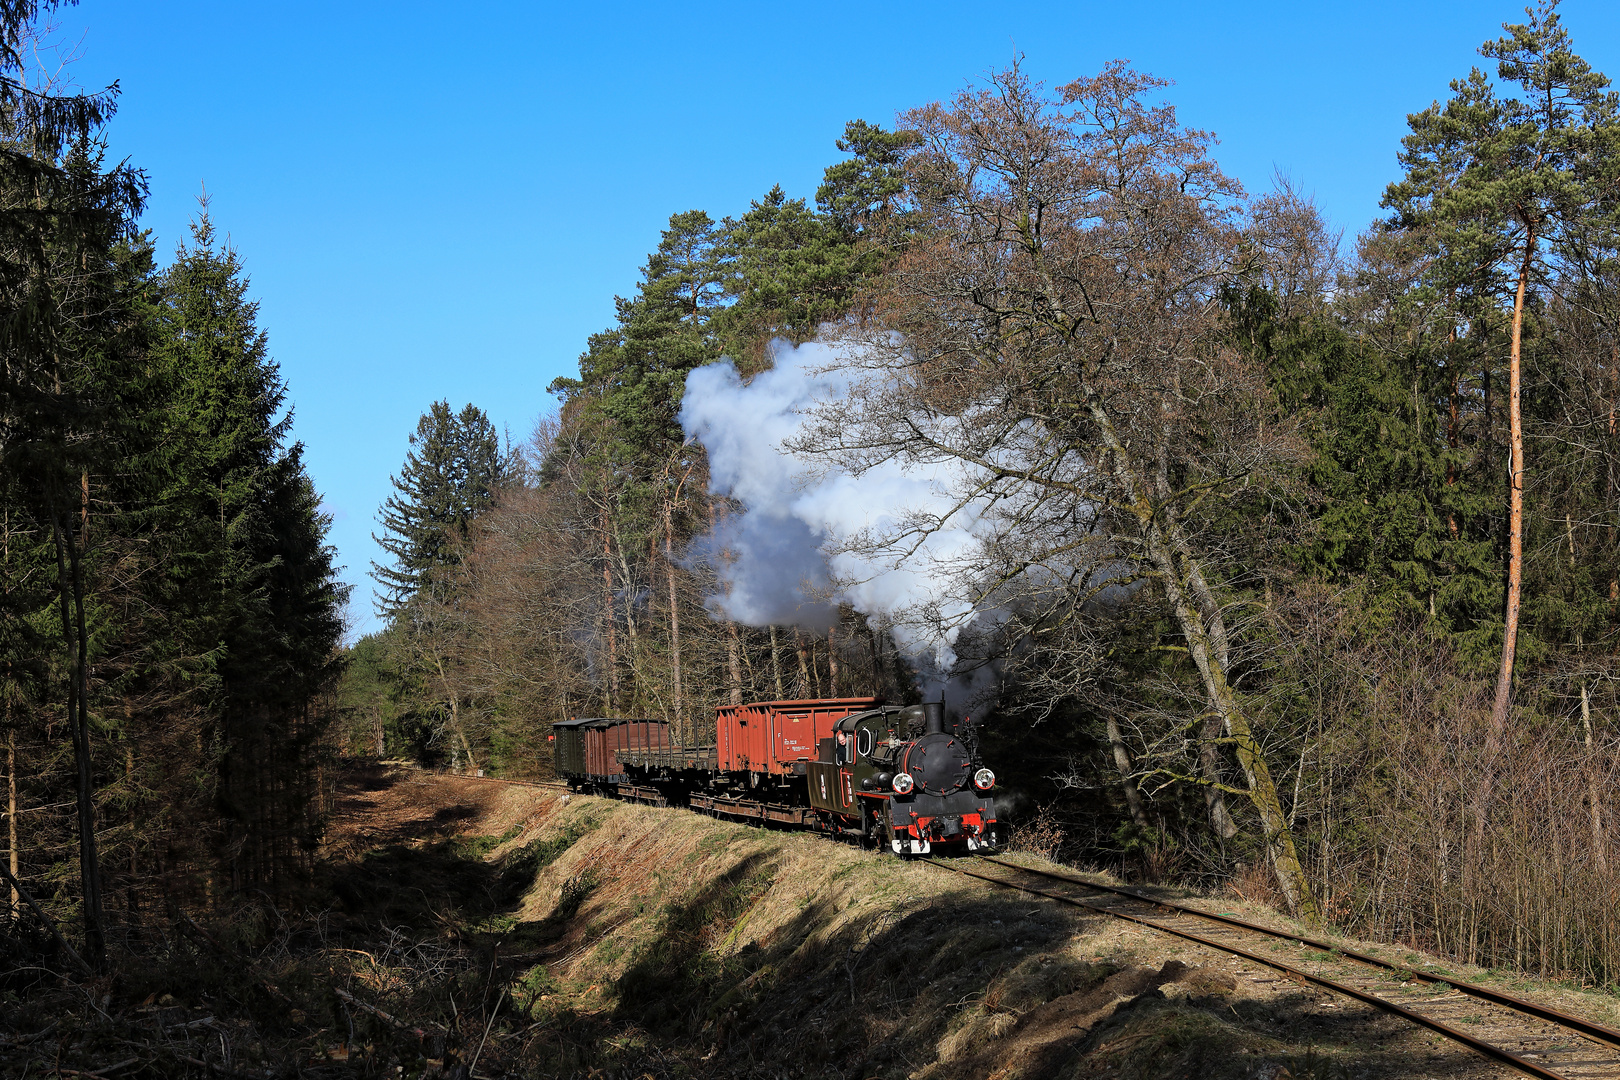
x,y
1051,344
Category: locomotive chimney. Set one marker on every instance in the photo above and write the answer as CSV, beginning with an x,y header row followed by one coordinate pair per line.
x,y
933,717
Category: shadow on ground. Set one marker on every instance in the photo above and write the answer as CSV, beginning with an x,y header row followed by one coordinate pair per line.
x,y
730,980
962,988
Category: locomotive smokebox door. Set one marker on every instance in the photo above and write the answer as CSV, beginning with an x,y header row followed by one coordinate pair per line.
x,y
938,764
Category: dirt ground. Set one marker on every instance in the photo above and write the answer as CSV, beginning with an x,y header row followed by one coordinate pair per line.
x,y
658,943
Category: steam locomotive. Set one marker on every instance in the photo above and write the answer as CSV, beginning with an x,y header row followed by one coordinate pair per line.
x,y
899,777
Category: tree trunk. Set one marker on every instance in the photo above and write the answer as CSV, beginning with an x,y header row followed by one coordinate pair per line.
x,y
1594,793
70,590
132,900
610,684
733,641
1510,627
1609,481
674,617
1594,788
802,688
776,665
639,681
1209,762
877,661
12,860
457,735
11,744
1127,782
1171,558
1453,434
1214,623
832,660
734,662
1496,732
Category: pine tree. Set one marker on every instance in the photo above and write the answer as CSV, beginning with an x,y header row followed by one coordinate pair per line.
x,y
1494,181
633,374
795,269
864,194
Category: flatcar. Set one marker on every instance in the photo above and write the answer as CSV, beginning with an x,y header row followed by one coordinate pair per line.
x,y
899,777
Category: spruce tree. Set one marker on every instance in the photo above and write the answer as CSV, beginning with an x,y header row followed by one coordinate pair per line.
x,y
64,213
451,474
452,471
249,581
225,429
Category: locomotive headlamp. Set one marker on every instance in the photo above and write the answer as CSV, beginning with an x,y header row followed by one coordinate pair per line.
x,y
903,783
984,779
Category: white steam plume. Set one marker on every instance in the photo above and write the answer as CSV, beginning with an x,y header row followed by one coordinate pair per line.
x,y
795,552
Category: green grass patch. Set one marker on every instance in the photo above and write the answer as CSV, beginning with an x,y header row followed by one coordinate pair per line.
x,y
690,958
519,868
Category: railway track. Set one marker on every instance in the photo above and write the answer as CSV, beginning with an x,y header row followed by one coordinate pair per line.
x,y
1533,1039
547,785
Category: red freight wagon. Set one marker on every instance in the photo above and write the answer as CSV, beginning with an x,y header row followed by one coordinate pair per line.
x,y
778,737
605,738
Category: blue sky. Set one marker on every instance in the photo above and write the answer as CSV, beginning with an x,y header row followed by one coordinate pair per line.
x,y
441,202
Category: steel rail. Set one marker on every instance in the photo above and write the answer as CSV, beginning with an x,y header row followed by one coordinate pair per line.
x,y
548,785
1485,1049
1594,1031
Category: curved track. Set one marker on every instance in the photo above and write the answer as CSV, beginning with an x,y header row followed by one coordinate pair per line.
x,y
1533,1039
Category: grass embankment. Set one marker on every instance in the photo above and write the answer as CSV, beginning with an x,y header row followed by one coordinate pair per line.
x,y
462,928
660,943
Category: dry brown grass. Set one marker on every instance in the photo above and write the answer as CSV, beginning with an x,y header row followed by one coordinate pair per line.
x,y
729,950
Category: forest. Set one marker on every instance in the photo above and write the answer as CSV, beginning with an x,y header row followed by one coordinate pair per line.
x,y
1262,554
1264,557
170,620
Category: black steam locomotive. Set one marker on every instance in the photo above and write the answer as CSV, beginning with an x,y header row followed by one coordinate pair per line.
x,y
900,777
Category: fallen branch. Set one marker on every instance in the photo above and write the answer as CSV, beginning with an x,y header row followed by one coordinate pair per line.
x,y
491,1019
591,944
207,1021
46,919
209,1065
388,1018
251,966
24,1040
98,1073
